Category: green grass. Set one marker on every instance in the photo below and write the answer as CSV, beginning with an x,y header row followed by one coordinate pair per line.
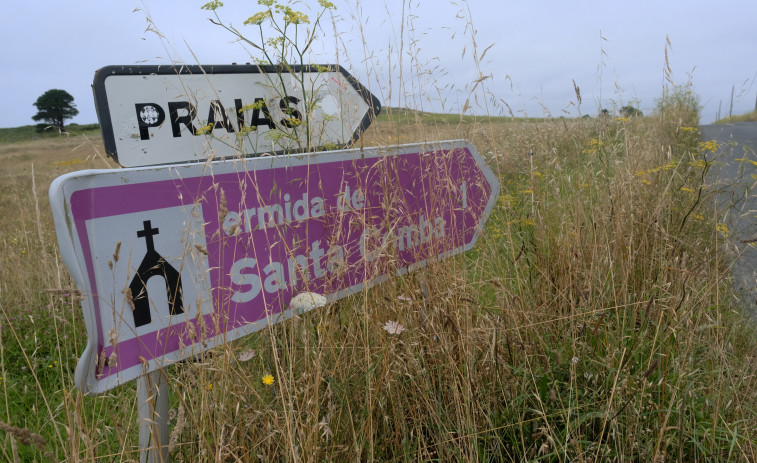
x,y
593,320
31,132
749,117
410,116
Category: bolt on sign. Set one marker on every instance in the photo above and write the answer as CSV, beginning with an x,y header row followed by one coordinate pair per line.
x,y
175,260
152,115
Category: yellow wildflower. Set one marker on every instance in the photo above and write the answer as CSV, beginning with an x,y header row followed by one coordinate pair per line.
x,y
206,129
506,200
709,146
268,380
258,18
754,163
723,229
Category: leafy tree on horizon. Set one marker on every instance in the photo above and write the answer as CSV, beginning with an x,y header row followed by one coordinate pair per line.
x,y
630,111
55,106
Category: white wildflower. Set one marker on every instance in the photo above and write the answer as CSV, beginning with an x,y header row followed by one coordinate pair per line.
x,y
393,327
307,301
246,355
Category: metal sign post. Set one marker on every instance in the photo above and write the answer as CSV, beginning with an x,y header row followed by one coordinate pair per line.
x,y
152,398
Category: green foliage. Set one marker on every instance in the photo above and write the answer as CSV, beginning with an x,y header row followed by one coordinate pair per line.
x,y
678,114
630,111
285,48
680,105
54,107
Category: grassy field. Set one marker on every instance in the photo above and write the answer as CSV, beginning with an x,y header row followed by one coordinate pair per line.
x,y
31,133
593,321
748,117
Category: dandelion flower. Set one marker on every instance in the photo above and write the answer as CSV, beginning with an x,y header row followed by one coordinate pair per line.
x,y
268,380
393,327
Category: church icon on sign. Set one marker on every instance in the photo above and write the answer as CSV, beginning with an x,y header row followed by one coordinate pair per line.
x,y
153,264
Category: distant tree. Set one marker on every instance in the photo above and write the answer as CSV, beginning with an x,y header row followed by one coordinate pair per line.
x,y
630,111
54,107
604,113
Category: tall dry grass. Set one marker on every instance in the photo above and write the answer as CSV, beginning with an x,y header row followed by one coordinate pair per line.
x,y
593,321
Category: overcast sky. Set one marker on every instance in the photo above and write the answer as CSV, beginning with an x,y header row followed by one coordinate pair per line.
x,y
614,51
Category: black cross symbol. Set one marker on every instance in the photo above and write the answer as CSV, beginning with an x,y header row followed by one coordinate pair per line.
x,y
148,233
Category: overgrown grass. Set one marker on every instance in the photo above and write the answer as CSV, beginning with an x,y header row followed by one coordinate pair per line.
x,y
410,116
748,117
593,321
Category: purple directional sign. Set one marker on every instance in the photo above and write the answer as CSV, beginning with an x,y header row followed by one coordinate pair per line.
x,y
175,260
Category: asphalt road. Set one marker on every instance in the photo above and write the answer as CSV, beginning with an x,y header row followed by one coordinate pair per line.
x,y
736,202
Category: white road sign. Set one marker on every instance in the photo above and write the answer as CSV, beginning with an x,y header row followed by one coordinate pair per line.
x,y
153,115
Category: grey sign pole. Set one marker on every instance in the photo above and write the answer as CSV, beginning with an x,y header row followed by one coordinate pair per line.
x,y
152,394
